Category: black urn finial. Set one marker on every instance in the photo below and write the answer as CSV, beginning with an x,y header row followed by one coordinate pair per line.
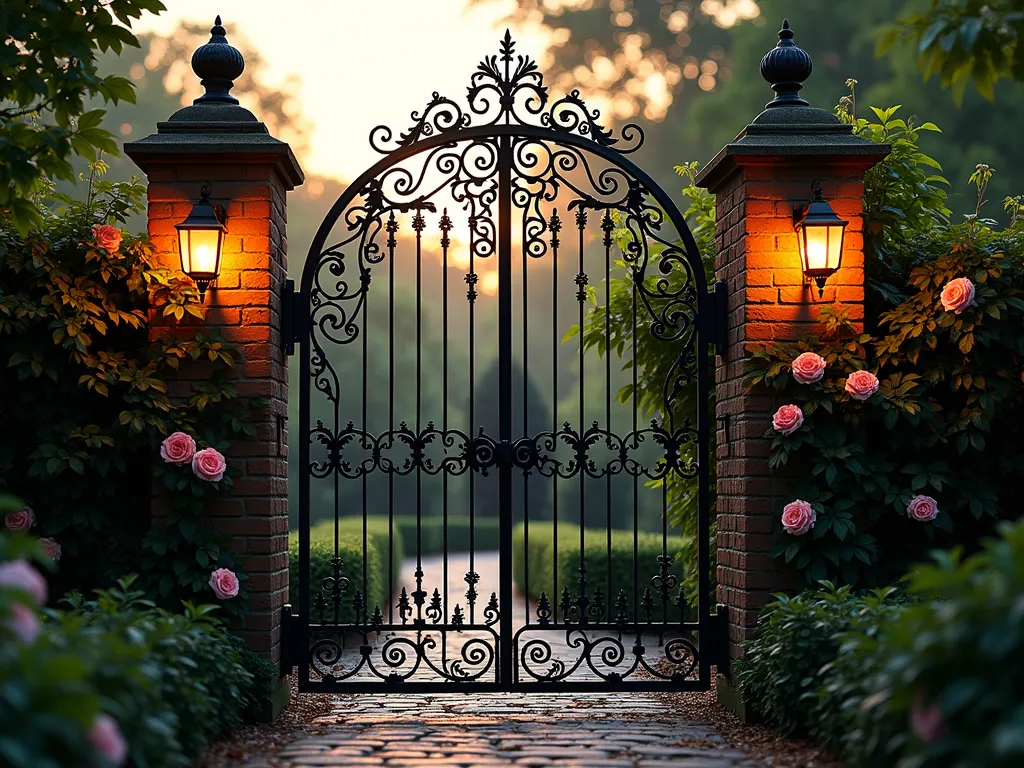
x,y
217,64
785,67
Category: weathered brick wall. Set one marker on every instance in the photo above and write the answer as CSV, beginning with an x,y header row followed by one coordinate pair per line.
x,y
244,307
767,301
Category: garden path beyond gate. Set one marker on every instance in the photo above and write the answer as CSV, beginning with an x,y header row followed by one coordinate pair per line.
x,y
449,411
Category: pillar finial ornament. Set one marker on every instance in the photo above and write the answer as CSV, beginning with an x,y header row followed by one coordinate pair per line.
x,y
786,67
217,64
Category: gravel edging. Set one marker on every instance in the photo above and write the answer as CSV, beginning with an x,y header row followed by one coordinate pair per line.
x,y
258,745
759,741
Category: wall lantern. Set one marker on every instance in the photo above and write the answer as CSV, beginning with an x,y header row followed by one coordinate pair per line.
x,y
819,235
200,239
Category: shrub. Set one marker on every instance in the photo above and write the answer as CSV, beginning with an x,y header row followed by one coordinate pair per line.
x,y
264,685
542,565
88,403
485,536
779,671
172,681
350,549
953,658
944,423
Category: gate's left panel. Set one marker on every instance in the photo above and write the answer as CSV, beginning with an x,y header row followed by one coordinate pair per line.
x,y
399,536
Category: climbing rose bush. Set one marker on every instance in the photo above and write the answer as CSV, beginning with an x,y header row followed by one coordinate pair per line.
x,y
912,435
178,448
209,464
798,517
224,583
22,520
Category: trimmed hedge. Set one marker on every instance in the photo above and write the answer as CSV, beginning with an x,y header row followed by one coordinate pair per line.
x,y
487,533
595,556
350,548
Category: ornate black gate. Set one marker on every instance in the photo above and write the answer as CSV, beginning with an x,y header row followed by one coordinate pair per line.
x,y
443,415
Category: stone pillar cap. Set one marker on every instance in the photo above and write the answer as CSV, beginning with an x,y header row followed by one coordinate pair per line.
x,y
215,124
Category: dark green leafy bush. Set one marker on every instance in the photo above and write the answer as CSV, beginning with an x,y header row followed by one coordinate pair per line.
x,y
172,682
795,637
542,564
485,535
947,668
86,395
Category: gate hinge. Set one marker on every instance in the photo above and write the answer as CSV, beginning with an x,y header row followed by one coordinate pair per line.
x,y
720,301
719,650
291,641
291,322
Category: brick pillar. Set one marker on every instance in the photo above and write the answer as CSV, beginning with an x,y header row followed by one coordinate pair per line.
x,y
757,180
250,172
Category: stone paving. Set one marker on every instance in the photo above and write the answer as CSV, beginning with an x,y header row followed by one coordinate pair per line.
x,y
527,730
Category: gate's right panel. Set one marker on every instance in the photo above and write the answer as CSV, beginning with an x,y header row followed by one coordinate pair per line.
x,y
607,488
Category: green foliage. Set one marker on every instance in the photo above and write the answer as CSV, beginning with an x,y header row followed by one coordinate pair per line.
x,y
963,41
540,558
959,645
904,195
265,681
47,72
610,329
486,533
779,671
87,401
172,681
945,421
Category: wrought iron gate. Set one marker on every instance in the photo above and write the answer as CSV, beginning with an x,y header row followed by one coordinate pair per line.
x,y
441,405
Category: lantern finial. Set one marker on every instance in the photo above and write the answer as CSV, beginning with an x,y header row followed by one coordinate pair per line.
x,y
218,64
786,67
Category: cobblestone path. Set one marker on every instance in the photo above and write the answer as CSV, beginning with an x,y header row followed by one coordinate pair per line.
x,y
470,730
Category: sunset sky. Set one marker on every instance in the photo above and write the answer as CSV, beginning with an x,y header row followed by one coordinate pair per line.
x,y
360,64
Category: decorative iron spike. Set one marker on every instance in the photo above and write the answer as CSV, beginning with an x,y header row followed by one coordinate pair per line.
x,y
446,227
418,222
357,606
681,603
647,603
392,228
471,280
404,608
566,603
543,609
492,605
472,578
377,620
581,280
434,611
608,226
597,608
458,618
581,218
621,606
419,596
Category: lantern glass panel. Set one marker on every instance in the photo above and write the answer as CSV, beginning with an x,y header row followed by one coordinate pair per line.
x,y
199,251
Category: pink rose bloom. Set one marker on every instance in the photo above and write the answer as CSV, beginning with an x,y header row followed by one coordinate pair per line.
x,y
788,419
209,464
957,295
861,385
922,509
107,739
23,623
178,448
50,548
224,583
107,237
798,517
808,368
926,720
18,574
21,520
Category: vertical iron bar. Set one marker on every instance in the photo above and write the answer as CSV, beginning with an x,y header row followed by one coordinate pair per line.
x,y
505,393
581,296
556,226
391,415
445,243
704,370
417,225
607,226
366,428
636,490
526,417
304,521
